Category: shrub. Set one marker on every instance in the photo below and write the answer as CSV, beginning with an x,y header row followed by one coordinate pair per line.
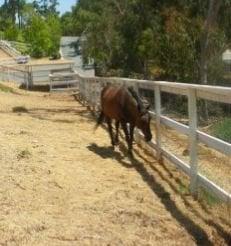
x,y
37,34
222,129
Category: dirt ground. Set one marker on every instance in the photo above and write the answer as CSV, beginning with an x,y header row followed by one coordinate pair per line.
x,y
62,184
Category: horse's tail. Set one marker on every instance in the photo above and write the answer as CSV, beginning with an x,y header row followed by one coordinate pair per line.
x,y
99,120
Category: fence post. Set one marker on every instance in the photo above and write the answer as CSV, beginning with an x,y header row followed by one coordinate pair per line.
x,y
192,111
158,127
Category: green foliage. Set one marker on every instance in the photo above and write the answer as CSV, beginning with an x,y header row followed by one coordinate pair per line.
x,y
43,35
38,35
37,24
156,39
67,25
54,34
222,129
11,33
46,7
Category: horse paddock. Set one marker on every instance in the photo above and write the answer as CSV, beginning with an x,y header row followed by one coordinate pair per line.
x,y
62,184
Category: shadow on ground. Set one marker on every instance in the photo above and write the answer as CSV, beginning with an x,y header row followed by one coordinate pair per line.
x,y
46,113
191,226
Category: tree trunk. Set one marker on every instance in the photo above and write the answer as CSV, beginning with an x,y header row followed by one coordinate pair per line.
x,y
214,6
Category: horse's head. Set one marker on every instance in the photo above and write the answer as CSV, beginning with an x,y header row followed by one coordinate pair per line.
x,y
143,123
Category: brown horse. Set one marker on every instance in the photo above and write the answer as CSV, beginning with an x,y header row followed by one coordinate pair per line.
x,y
124,106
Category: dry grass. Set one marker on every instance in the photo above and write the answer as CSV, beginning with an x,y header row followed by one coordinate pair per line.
x,y
69,188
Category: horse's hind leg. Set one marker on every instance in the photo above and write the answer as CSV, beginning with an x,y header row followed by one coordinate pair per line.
x,y
110,131
117,124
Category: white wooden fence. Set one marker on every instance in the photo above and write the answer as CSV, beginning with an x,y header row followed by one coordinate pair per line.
x,y
34,74
6,46
90,88
60,81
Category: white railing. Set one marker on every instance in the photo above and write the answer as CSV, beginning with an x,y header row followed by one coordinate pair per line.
x,y
63,81
6,46
90,88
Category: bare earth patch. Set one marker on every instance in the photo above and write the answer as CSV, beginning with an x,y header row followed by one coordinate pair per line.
x,y
62,184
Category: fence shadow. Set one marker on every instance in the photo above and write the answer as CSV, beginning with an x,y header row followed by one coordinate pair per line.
x,y
46,113
195,230
41,88
206,218
191,227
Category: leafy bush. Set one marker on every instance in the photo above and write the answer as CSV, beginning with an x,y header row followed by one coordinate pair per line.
x,y
11,33
55,35
43,35
222,130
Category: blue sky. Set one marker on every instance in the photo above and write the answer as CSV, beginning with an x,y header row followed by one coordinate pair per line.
x,y
64,5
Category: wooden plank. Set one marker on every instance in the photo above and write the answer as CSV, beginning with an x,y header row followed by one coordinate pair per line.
x,y
175,125
215,189
215,93
214,143
69,82
192,109
153,114
178,162
222,98
64,89
174,90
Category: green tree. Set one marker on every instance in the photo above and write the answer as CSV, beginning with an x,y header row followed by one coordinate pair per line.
x,y
37,34
145,36
67,25
55,35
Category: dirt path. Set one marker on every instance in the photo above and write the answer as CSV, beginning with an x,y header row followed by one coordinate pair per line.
x,y
62,185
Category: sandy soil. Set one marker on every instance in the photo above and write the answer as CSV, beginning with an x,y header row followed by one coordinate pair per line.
x,y
61,184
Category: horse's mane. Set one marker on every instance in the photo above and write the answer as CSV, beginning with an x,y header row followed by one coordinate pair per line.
x,y
138,100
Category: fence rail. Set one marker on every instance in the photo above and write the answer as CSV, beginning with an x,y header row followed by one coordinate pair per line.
x,y
90,87
6,46
61,81
32,75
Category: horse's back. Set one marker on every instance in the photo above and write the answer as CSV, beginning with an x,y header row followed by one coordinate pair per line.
x,y
112,101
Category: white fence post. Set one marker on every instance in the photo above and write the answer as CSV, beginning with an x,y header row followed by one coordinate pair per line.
x,y
158,115
192,111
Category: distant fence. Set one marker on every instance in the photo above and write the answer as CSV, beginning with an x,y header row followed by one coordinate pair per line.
x,y
20,75
90,88
61,81
6,46
32,75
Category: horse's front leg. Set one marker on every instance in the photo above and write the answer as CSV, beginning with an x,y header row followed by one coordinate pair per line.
x,y
131,136
110,131
117,124
127,137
